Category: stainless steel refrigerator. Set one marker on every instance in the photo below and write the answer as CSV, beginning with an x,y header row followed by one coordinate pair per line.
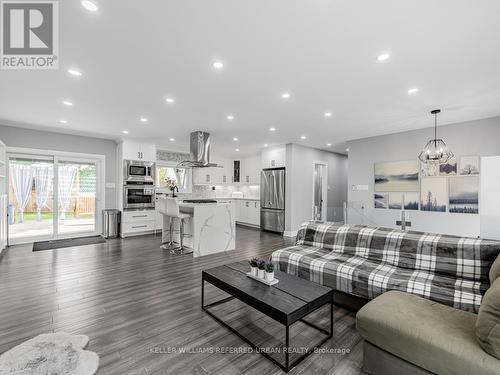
x,y
272,200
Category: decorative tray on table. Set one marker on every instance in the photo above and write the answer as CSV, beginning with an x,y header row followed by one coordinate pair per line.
x,y
263,281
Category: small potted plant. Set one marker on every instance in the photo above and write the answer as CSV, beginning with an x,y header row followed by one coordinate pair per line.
x,y
261,272
269,267
253,264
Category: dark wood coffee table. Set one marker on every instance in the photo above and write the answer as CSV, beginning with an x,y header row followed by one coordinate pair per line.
x,y
287,302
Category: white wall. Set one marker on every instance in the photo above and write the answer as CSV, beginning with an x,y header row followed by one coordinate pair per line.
x,y
480,137
299,184
20,137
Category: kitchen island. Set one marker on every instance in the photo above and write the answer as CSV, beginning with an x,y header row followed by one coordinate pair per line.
x,y
211,226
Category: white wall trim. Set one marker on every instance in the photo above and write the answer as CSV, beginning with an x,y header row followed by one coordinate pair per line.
x,y
290,233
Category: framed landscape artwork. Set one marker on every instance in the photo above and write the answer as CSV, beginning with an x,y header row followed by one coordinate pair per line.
x,y
398,176
464,195
395,201
449,168
429,170
410,201
381,200
434,194
469,165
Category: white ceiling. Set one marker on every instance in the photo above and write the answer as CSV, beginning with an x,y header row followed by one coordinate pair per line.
x,y
133,54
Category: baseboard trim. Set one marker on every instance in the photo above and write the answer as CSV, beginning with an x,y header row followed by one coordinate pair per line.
x,y
247,225
290,233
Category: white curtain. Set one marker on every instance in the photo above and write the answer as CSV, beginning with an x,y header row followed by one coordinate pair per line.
x,y
22,181
67,174
43,179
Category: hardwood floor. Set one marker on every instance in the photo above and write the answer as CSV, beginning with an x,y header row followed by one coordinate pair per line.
x,y
136,302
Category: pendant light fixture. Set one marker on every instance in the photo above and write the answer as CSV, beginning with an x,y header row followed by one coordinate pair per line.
x,y
435,151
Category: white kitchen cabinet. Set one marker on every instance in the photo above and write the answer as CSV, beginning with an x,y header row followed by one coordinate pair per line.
x,y
273,157
250,170
253,213
138,151
247,212
135,222
227,172
203,176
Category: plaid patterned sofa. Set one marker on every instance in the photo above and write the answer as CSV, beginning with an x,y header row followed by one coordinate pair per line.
x,y
366,261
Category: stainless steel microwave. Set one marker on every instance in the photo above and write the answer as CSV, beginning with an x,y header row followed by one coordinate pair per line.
x,y
138,170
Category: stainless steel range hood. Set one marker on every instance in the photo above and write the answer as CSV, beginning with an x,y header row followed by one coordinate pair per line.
x,y
199,152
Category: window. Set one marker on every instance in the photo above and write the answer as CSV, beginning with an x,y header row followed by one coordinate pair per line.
x,y
181,175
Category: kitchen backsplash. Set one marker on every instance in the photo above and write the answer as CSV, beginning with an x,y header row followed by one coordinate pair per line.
x,y
223,191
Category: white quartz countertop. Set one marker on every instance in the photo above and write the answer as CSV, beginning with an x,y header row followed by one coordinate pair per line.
x,y
189,204
237,199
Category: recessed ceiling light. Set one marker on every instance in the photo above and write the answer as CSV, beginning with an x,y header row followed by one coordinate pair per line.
x,y
89,5
328,114
237,150
218,65
265,145
328,144
67,103
347,149
285,95
235,139
144,119
172,139
272,129
63,121
75,72
413,90
230,117
303,137
125,131
383,56
170,100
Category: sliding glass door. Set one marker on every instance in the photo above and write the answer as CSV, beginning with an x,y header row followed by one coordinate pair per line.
x,y
52,197
31,197
77,182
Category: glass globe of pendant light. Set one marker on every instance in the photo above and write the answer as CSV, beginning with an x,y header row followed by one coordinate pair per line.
x,y
435,151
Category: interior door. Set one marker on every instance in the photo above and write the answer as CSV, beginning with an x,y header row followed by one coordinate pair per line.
x,y
318,192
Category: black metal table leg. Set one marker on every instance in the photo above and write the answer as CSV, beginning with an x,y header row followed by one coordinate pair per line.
x,y
287,346
331,319
202,292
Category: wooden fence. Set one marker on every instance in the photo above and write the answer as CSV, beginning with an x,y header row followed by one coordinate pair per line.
x,y
81,204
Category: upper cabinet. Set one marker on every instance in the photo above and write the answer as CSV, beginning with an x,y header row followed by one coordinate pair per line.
x,y
138,151
274,157
249,172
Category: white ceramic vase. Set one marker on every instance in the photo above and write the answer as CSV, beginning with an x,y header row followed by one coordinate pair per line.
x,y
261,273
269,276
253,271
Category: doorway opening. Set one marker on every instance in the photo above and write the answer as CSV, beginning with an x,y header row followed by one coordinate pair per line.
x,y
320,191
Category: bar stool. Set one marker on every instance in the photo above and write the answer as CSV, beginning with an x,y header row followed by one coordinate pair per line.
x,y
172,211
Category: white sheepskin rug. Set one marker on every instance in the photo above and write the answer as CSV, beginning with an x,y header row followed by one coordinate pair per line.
x,y
50,354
